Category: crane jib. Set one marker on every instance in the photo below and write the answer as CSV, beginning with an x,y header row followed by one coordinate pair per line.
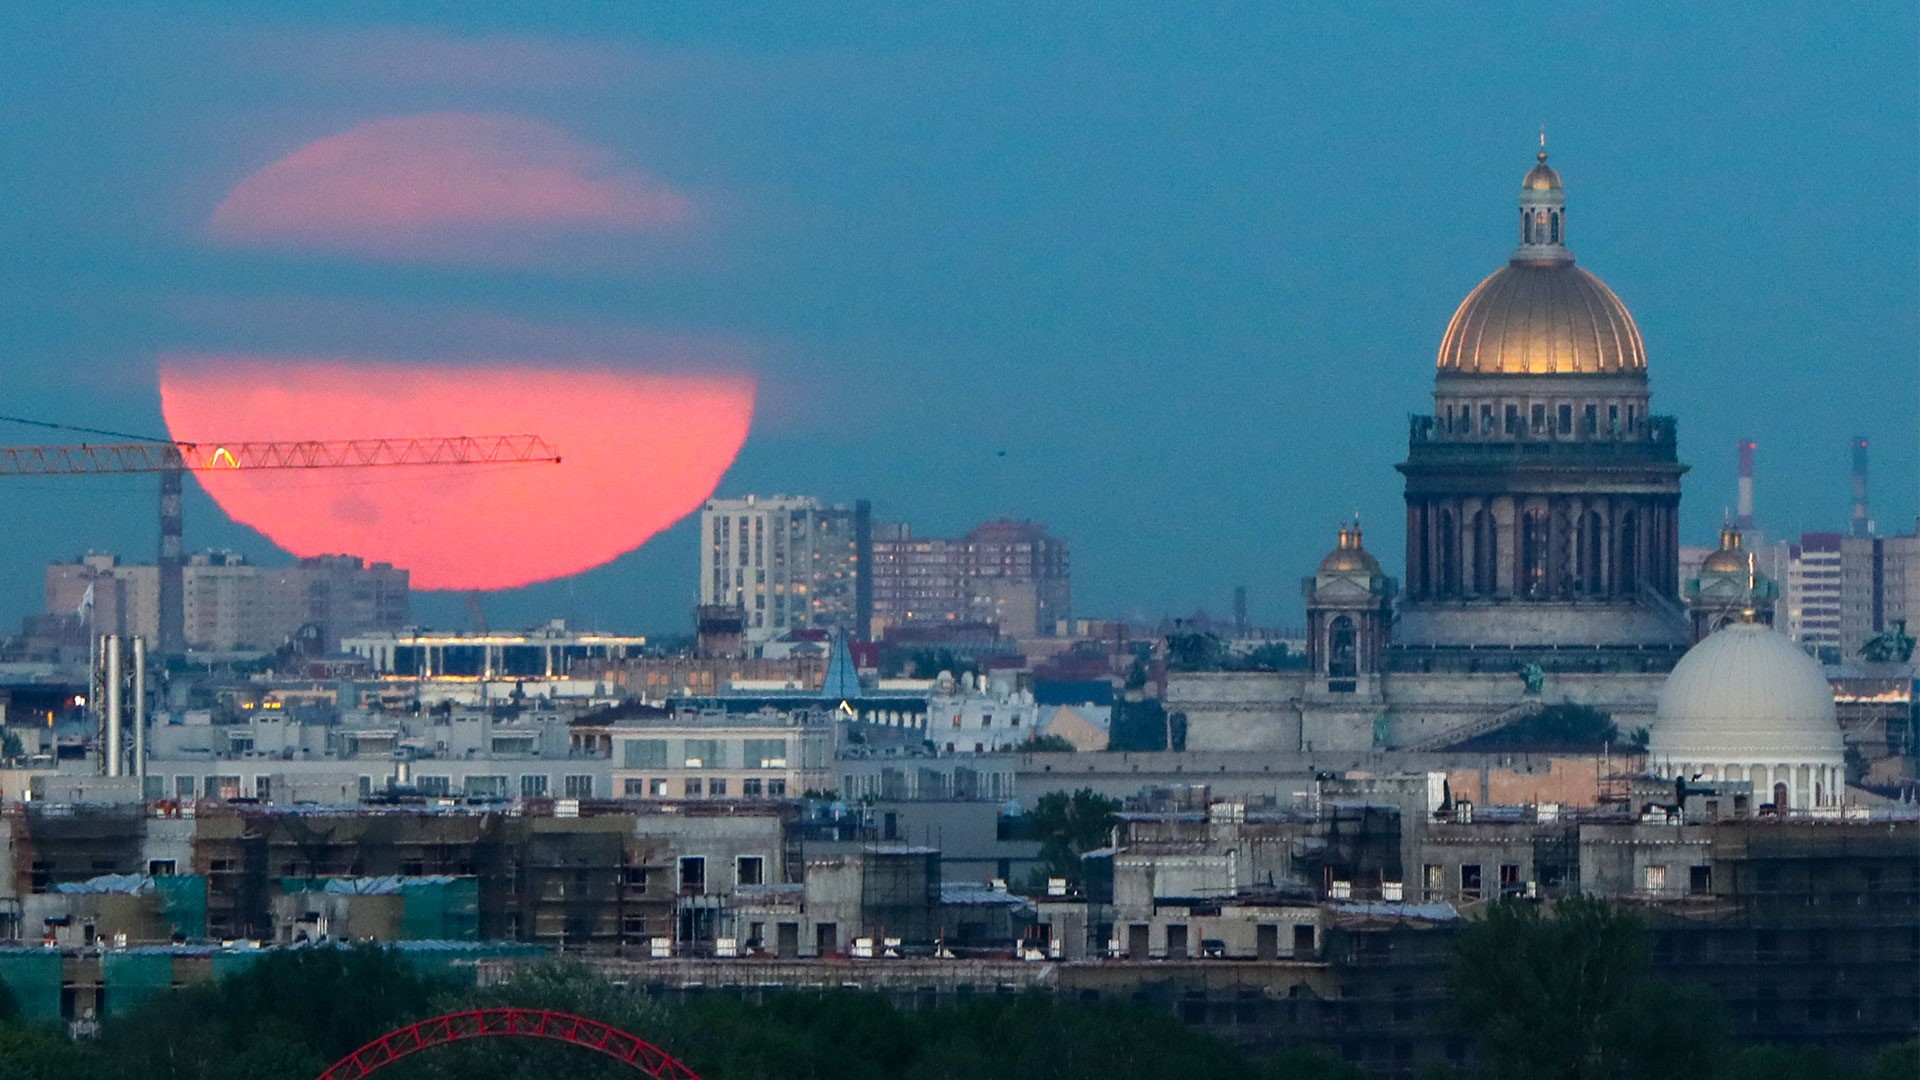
x,y
85,459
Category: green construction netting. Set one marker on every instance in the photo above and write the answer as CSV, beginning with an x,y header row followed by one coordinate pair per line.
x,y
131,978
183,901
34,980
441,910
233,963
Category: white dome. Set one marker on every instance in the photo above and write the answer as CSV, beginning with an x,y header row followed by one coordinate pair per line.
x,y
1746,693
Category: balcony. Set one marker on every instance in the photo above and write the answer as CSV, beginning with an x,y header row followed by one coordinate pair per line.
x,y
1655,438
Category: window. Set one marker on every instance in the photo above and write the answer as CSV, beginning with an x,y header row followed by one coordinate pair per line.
x,y
644,754
635,878
183,787
693,787
1510,879
1566,420
1434,879
777,788
1591,418
717,787
160,868
657,787
701,754
1539,418
749,870
533,786
1513,419
633,787
1700,880
1470,881
1342,648
1653,878
693,875
1613,419
487,787
513,744
751,787
578,786
1533,554
433,785
763,754
1486,419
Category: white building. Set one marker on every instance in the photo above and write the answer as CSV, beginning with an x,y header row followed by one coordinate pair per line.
x,y
978,716
1746,704
786,561
710,755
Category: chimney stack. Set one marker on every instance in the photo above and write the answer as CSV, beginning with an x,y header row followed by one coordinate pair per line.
x,y
1862,524
1745,517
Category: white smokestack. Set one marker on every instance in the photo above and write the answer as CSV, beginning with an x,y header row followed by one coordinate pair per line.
x,y
114,681
140,711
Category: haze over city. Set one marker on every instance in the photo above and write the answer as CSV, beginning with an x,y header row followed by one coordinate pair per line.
x,y
1168,283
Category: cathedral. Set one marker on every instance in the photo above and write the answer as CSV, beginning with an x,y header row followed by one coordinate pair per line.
x,y
1542,542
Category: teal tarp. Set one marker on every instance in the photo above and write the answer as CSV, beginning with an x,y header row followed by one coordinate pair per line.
x,y
33,977
131,978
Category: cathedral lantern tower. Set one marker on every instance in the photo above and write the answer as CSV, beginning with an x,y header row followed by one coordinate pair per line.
x,y
1542,494
1730,588
1349,611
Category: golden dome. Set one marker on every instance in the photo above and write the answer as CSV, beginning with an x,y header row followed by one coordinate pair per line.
x,y
1349,557
1541,177
1542,318
1730,559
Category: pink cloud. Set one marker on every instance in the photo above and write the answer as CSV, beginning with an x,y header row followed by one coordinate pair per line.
x,y
460,187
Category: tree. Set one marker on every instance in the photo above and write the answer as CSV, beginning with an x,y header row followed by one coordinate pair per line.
x,y
1195,650
1572,997
1045,744
1563,725
305,1007
1901,1062
1069,826
1137,726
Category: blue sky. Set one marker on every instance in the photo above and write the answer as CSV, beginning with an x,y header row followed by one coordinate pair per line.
x,y
1168,280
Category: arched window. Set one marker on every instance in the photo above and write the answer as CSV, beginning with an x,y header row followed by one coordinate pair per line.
x,y
1448,583
1565,554
1554,226
1425,557
1533,554
1526,227
1593,553
1486,554
1626,573
1780,795
1343,660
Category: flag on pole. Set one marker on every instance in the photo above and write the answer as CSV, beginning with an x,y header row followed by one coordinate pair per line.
x,y
85,610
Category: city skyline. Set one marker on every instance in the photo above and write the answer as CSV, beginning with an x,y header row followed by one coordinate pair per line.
x,y
1168,289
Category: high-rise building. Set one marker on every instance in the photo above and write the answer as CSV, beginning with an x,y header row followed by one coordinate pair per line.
x,y
788,562
1810,576
1008,573
231,604
1841,591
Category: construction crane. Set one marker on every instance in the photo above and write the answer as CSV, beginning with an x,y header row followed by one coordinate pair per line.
x,y
172,460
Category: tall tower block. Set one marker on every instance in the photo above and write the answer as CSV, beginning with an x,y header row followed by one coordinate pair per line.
x,y
1744,518
1862,522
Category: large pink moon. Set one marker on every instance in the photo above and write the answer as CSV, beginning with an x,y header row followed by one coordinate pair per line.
x,y
639,452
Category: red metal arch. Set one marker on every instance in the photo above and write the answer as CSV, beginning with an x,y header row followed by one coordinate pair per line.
x,y
518,1023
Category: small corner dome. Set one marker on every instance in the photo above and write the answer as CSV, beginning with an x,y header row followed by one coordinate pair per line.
x,y
1542,177
1349,557
1746,693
